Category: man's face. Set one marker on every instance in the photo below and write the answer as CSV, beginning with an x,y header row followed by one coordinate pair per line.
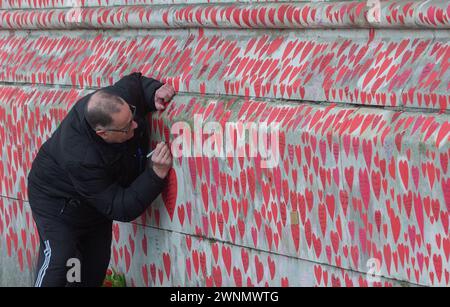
x,y
122,127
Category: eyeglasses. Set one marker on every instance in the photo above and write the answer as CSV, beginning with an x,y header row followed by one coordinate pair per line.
x,y
128,126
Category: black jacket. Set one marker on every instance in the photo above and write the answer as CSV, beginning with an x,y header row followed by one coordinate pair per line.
x,y
79,176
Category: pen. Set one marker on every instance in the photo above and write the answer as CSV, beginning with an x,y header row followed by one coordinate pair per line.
x,y
151,152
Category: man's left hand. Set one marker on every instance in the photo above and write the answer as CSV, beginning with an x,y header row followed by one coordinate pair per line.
x,y
163,95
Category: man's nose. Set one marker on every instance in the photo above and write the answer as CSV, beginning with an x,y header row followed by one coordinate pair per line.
x,y
135,125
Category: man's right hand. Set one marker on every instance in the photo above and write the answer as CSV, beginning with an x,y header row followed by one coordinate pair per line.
x,y
162,160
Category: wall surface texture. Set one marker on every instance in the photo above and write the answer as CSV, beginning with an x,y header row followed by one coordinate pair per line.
x,y
360,92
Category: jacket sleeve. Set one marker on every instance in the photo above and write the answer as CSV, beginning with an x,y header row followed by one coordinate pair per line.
x,y
137,89
109,198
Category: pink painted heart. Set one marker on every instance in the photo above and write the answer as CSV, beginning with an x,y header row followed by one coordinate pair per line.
x,y
446,191
318,274
295,231
181,214
437,261
322,218
169,194
364,187
418,209
217,275
259,268
317,243
167,263
237,276
271,264
245,259
444,162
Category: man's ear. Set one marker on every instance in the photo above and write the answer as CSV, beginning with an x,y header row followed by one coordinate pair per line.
x,y
101,133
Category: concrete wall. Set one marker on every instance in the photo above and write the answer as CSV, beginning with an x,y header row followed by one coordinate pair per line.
x,y
362,106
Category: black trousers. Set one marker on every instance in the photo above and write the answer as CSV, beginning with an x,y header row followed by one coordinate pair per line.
x,y
71,254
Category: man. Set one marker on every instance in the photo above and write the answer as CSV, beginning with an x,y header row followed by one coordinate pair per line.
x,y
94,170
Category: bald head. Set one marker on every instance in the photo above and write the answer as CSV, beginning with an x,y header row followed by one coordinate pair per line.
x,y
100,108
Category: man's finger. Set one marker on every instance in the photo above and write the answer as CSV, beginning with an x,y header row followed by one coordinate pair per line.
x,y
166,97
168,92
165,151
162,152
157,151
167,156
157,160
160,106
